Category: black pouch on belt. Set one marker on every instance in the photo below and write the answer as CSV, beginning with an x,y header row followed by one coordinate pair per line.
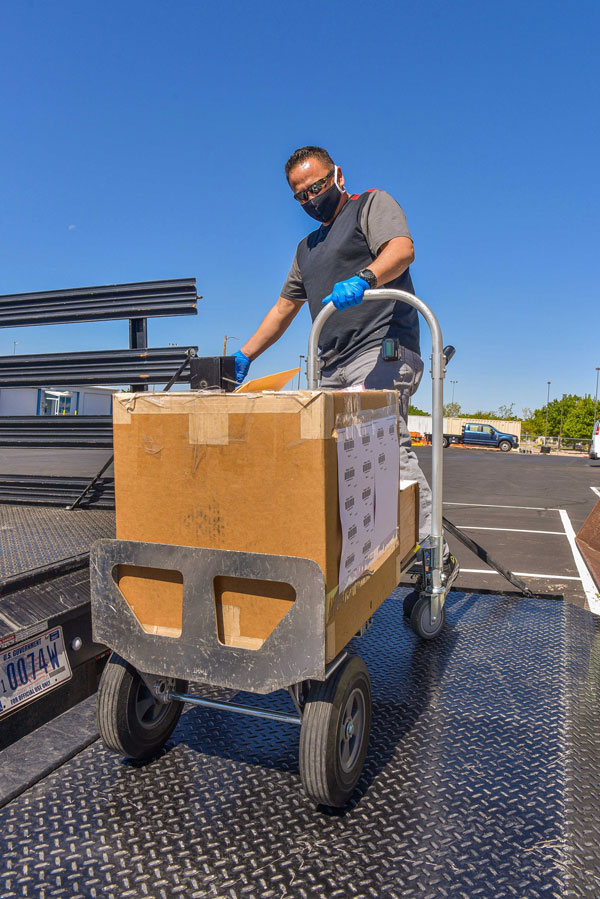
x,y
391,349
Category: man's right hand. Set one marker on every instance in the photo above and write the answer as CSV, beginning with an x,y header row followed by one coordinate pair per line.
x,y
242,364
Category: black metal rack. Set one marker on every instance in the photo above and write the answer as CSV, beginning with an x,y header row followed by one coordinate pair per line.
x,y
138,367
54,490
140,300
56,430
133,366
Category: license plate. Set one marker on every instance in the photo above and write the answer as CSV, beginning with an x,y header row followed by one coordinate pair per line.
x,y
32,668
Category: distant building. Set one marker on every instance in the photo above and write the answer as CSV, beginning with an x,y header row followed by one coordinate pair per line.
x,y
56,400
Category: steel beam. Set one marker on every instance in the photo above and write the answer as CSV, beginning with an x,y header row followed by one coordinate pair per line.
x,y
146,299
154,365
56,430
55,491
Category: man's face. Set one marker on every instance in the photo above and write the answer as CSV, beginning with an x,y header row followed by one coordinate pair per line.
x,y
307,173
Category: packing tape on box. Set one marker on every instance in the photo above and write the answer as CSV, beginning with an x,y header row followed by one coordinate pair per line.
x,y
209,429
358,417
209,413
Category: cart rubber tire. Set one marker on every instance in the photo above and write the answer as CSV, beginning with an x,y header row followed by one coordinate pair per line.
x,y
408,603
129,721
420,620
335,733
505,446
445,442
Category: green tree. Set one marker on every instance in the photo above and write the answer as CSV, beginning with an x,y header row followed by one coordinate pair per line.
x,y
481,413
579,422
576,412
452,410
507,412
412,410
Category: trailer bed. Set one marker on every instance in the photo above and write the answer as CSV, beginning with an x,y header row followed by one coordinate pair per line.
x,y
43,594
32,536
481,780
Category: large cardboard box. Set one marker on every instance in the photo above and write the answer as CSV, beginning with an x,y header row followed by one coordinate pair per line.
x,y
253,473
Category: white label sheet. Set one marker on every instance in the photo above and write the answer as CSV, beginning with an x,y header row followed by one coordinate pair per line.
x,y
368,480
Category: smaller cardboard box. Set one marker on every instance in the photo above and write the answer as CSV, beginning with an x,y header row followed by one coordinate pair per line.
x,y
254,473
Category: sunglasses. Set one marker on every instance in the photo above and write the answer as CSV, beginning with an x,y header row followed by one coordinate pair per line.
x,y
314,189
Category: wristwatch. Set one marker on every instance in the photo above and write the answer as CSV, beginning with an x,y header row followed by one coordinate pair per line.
x,y
370,277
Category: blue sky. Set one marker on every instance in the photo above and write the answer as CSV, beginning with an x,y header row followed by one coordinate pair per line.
x,y
146,140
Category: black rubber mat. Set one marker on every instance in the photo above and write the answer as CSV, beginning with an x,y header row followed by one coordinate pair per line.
x,y
30,537
481,781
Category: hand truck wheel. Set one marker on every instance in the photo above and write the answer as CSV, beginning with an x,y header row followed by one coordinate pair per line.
x,y
420,619
335,733
130,719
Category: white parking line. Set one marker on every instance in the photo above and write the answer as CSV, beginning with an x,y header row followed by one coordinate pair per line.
x,y
596,491
548,577
490,506
589,587
476,527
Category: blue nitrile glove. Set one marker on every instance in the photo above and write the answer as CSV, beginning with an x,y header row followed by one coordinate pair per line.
x,y
347,293
242,364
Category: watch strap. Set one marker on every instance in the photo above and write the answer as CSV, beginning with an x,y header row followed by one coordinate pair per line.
x,y
370,277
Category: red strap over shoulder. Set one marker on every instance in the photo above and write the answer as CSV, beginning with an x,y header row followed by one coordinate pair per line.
x,y
369,191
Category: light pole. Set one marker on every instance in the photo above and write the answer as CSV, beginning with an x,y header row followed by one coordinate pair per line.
x,y
453,385
300,372
547,404
225,339
596,397
15,342
562,406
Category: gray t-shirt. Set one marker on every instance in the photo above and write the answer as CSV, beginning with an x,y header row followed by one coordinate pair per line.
x,y
381,219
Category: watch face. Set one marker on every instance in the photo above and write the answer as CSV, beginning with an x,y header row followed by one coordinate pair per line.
x,y
368,276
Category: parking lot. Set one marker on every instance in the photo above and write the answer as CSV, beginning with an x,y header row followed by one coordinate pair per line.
x,y
524,510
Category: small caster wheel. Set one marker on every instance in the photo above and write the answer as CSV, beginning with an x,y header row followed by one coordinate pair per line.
x,y
408,603
420,619
130,720
335,733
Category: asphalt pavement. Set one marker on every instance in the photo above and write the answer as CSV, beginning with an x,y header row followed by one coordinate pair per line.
x,y
519,507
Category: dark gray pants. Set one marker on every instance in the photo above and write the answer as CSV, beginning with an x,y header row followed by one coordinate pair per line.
x,y
404,376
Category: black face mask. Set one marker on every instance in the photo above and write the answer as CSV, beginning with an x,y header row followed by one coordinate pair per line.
x,y
322,208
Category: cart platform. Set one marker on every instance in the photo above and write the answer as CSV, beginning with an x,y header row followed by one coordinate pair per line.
x,y
480,780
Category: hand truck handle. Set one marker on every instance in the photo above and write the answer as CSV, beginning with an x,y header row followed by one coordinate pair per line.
x,y
438,366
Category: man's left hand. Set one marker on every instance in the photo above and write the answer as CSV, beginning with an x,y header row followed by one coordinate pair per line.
x,y
347,293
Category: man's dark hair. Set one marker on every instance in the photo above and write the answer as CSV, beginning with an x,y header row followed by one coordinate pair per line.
x,y
305,153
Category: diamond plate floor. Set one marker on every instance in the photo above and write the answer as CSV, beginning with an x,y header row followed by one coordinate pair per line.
x,y
481,781
30,537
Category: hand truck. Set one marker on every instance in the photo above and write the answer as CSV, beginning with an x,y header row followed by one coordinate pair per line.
x,y
146,680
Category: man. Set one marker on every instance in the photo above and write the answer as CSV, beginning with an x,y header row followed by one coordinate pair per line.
x,y
362,242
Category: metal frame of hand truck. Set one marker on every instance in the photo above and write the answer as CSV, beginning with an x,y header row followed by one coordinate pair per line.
x,y
293,656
